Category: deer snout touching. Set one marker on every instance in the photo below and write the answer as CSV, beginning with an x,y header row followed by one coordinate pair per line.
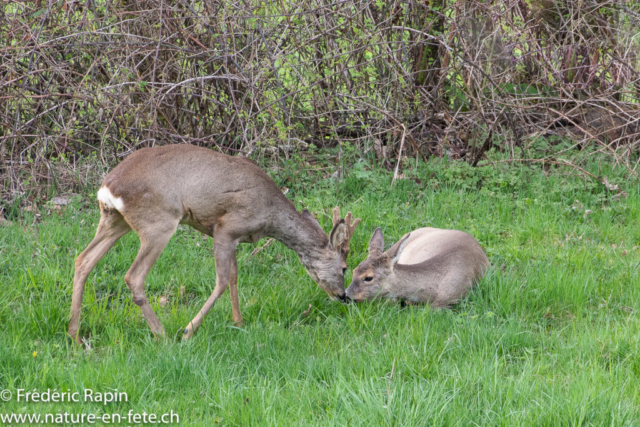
x,y
344,298
339,296
329,265
428,265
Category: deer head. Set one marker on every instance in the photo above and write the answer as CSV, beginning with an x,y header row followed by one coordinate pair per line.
x,y
373,276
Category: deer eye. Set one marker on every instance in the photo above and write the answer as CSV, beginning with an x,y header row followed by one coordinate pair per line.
x,y
368,279
344,271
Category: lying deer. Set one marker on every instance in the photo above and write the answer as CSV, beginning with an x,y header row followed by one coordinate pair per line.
x,y
229,198
427,265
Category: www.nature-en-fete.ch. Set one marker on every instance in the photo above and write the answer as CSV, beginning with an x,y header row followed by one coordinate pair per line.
x,y
86,396
67,418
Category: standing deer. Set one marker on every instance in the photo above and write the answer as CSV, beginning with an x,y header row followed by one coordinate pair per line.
x,y
229,198
427,265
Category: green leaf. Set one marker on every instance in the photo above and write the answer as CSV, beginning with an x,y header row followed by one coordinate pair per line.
x,y
39,12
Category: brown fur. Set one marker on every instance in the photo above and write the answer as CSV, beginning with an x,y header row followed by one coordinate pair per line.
x,y
228,198
428,265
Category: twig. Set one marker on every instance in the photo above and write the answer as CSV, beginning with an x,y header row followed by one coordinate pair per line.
x,y
395,173
485,147
261,248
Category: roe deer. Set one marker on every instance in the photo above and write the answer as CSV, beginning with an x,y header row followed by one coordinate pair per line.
x,y
229,198
427,265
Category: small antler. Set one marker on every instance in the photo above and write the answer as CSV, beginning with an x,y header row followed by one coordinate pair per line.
x,y
348,222
336,215
351,227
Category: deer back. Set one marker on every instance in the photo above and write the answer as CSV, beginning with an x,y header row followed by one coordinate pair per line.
x,y
439,266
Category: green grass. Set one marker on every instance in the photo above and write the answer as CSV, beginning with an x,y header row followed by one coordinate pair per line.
x,y
549,337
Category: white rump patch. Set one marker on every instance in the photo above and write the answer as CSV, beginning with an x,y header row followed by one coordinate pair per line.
x,y
105,196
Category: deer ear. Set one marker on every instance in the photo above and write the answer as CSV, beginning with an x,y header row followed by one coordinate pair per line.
x,y
395,251
310,217
376,244
338,234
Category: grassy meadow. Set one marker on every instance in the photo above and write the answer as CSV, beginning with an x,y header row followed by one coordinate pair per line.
x,y
550,337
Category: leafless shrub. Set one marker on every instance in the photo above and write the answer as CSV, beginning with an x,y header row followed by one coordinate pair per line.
x,y
435,77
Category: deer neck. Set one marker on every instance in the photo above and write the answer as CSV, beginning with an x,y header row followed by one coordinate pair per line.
x,y
299,234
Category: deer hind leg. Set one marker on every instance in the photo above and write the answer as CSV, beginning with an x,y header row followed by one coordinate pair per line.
x,y
112,227
153,239
224,249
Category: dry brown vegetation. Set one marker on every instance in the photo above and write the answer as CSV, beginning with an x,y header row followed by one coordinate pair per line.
x,y
435,77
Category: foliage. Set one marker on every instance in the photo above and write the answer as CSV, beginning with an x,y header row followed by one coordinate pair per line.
x,y
105,77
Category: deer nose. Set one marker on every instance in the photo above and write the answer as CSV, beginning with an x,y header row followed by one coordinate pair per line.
x,y
344,298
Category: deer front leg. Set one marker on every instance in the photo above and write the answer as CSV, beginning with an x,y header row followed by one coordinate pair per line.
x,y
233,289
224,253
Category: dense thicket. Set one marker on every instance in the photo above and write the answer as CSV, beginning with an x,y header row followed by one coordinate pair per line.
x,y
434,77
